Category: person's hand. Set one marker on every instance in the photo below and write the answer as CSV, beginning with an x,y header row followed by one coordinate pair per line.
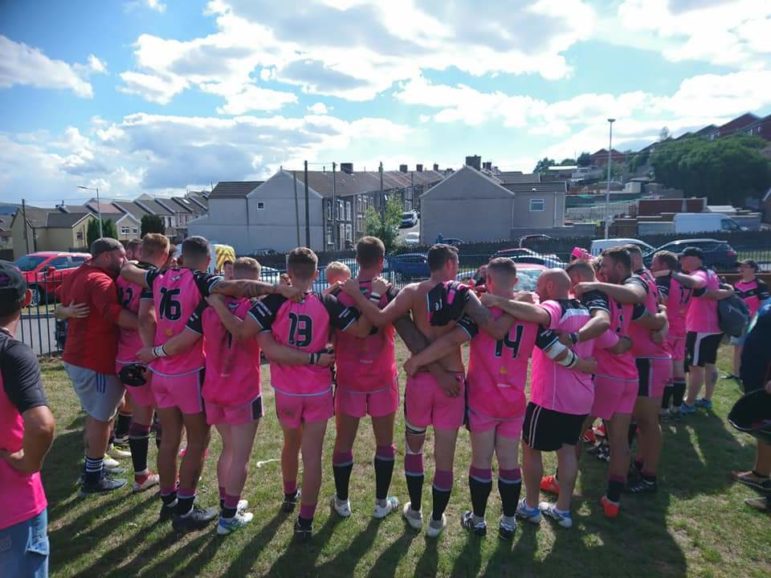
x,y
284,279
326,360
411,367
584,287
76,310
489,300
565,339
658,336
379,286
449,384
351,287
289,292
662,273
18,462
145,355
215,299
525,297
588,365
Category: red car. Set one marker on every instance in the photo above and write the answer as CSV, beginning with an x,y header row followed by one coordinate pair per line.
x,y
45,270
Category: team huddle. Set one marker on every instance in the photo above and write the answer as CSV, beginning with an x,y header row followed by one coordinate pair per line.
x,y
608,339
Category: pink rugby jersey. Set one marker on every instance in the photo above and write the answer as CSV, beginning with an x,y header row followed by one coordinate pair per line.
x,y
129,295
304,326
554,386
753,293
642,340
232,366
177,294
621,366
497,369
368,364
677,298
22,495
702,312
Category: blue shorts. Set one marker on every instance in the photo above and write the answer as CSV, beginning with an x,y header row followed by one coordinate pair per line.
x,y
24,548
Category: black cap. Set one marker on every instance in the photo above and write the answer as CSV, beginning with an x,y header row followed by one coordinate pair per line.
x,y
12,283
104,245
693,252
751,264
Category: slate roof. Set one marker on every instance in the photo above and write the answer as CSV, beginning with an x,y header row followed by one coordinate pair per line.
x,y
234,189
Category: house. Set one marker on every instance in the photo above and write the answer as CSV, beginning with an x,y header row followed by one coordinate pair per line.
x,y
760,128
129,225
600,157
473,206
42,229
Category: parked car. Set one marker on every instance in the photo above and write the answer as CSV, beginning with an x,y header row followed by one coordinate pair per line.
x,y
409,219
455,242
704,223
44,272
409,265
718,255
527,276
515,252
550,262
265,251
599,245
530,239
412,238
270,274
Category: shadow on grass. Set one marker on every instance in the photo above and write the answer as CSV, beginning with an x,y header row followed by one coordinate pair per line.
x,y
251,551
389,559
345,562
299,558
193,556
429,560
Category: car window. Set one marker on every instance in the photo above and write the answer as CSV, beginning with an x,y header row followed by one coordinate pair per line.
x,y
78,261
60,263
29,262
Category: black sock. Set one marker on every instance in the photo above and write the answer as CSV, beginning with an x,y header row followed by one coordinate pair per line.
x,y
93,470
509,488
615,487
384,469
480,483
184,504
122,424
678,392
632,433
305,523
168,499
440,492
667,397
139,441
227,512
413,472
342,466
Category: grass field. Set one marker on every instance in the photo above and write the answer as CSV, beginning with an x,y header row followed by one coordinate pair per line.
x,y
696,524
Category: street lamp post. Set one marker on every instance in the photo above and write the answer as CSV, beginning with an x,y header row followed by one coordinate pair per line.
x,y
98,205
607,191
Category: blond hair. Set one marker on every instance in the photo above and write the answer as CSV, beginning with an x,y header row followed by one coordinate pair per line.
x,y
337,271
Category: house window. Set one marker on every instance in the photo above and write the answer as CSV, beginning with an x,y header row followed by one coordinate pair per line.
x,y
536,205
349,233
329,210
79,235
135,231
260,206
348,211
125,230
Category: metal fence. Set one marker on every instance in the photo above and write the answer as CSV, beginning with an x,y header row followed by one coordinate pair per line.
x,y
38,328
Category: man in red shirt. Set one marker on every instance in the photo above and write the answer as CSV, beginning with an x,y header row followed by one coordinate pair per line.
x,y
90,350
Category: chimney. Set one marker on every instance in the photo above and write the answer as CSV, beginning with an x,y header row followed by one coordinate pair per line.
x,y
419,168
347,168
475,161
402,168
436,167
488,166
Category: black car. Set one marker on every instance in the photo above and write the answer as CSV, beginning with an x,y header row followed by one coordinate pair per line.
x,y
718,255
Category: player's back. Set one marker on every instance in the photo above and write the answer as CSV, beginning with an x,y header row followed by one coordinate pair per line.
x,y
369,363
497,369
643,344
176,297
554,386
232,365
621,365
305,326
129,295
435,307
676,297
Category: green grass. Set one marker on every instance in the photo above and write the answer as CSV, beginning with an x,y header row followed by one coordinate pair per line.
x,y
696,525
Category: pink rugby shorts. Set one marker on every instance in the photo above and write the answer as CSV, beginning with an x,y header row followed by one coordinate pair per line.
x,y
613,395
425,403
378,403
295,410
180,391
510,427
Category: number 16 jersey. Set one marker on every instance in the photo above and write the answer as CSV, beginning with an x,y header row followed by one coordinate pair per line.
x,y
177,293
304,326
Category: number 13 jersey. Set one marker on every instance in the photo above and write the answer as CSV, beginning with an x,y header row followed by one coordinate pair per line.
x,y
177,293
304,326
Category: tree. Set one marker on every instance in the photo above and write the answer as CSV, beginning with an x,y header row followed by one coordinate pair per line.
x,y
724,170
584,159
567,162
544,164
108,230
385,224
664,134
152,224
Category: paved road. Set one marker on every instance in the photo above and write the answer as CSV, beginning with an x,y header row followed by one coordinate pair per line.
x,y
38,333
403,232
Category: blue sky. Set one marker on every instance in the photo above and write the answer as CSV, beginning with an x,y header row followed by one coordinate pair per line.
x,y
160,96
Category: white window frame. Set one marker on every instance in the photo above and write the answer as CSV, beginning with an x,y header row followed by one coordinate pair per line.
x,y
260,205
541,201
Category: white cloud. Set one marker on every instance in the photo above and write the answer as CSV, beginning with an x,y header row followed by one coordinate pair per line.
x,y
156,5
23,65
318,108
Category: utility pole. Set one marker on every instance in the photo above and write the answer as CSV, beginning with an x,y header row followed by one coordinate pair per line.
x,y
382,195
296,208
307,210
607,191
26,223
334,208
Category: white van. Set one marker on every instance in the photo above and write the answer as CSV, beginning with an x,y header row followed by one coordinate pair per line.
x,y
704,223
599,245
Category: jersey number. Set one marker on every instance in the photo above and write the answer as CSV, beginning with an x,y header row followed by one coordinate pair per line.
x,y
170,308
507,342
300,330
125,295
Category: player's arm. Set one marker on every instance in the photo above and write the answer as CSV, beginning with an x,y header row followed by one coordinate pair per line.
x,y
146,321
252,288
440,348
130,272
71,311
289,356
245,328
724,292
481,316
763,292
398,307
104,297
518,309
689,281
347,319
629,293
623,345
24,389
548,341
655,322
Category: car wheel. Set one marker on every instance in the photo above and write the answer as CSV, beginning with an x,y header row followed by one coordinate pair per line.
x,y
37,295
